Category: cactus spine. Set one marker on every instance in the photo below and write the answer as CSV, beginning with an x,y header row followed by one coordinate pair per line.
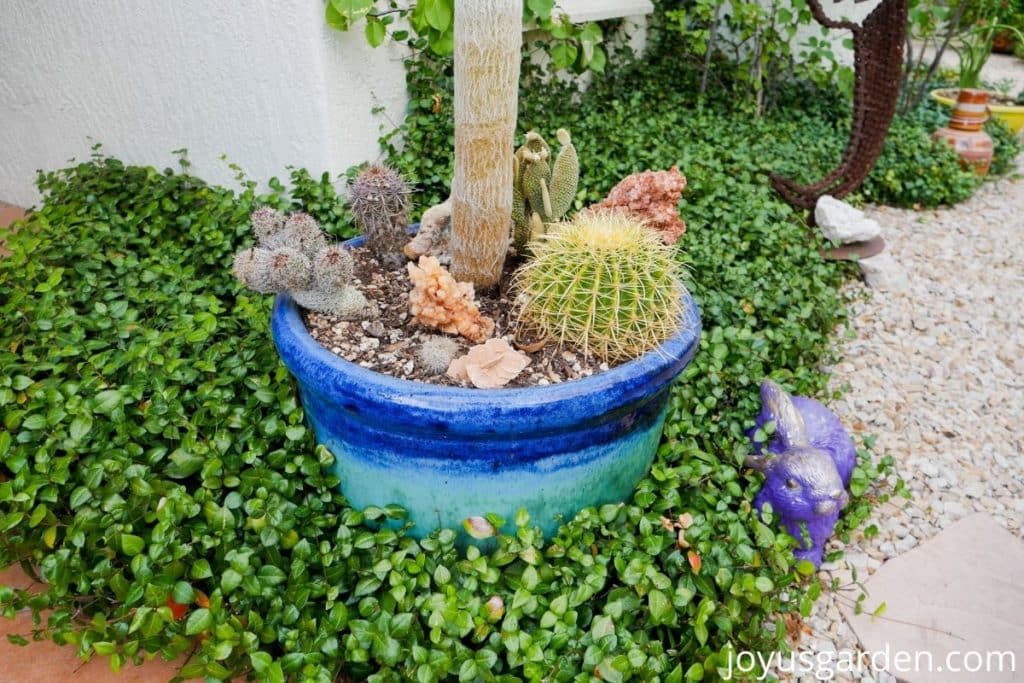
x,y
603,284
542,193
379,198
292,255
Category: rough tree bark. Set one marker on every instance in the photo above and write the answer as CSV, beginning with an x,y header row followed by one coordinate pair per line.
x,y
488,39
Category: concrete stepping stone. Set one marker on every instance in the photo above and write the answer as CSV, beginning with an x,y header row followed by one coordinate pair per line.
x,y
957,594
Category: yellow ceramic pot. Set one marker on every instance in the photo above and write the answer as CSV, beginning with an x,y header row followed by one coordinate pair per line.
x,y
1013,115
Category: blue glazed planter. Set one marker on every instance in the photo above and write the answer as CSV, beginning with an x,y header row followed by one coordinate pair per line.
x,y
447,453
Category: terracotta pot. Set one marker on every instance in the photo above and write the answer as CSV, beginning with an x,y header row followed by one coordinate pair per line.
x,y
1012,114
965,130
1003,42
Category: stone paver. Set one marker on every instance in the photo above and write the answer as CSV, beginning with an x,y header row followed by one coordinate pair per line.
x,y
954,604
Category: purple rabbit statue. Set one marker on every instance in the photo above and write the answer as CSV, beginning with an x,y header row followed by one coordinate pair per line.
x,y
807,467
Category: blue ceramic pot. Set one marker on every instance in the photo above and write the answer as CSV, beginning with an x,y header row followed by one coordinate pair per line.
x,y
446,454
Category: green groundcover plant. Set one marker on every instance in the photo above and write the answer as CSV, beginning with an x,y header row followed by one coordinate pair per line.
x,y
153,455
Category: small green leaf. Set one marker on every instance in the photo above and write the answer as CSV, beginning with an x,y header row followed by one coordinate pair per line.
x,y
199,621
183,593
438,13
375,32
662,611
132,545
352,10
230,580
80,426
201,569
108,401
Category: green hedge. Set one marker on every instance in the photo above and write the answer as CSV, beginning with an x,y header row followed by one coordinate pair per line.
x,y
645,115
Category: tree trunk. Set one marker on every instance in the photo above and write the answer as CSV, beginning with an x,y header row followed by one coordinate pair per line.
x,y
488,40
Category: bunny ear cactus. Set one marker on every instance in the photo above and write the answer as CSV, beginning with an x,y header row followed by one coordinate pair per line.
x,y
542,193
807,466
292,255
603,284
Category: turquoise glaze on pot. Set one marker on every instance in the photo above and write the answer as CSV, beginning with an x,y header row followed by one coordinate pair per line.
x,y
446,453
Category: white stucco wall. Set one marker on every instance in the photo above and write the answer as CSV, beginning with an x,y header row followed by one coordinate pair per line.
x,y
265,82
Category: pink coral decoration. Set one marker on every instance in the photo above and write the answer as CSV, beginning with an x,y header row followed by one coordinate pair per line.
x,y
653,197
439,302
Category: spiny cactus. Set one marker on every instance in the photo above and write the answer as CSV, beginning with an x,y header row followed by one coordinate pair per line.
x,y
379,198
292,255
437,354
542,193
603,284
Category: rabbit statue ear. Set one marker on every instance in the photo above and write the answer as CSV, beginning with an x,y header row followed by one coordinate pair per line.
x,y
761,463
789,424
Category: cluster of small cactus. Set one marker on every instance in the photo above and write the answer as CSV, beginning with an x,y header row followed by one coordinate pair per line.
x,y
293,255
604,284
542,193
379,198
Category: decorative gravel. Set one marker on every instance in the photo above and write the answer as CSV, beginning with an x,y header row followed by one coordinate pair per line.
x,y
389,342
936,372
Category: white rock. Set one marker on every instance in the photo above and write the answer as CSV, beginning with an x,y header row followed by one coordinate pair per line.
x,y
883,272
842,223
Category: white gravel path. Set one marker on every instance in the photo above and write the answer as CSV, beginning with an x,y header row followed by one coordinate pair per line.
x,y
936,372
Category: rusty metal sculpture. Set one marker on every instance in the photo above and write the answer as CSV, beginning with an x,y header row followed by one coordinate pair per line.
x,y
878,64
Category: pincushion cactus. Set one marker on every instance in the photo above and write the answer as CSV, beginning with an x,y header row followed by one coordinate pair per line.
x,y
604,284
292,255
437,354
379,198
542,193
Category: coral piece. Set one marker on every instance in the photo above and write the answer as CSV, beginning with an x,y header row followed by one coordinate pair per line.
x,y
437,353
604,284
457,369
434,236
438,301
651,196
542,194
807,467
379,198
489,365
292,255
